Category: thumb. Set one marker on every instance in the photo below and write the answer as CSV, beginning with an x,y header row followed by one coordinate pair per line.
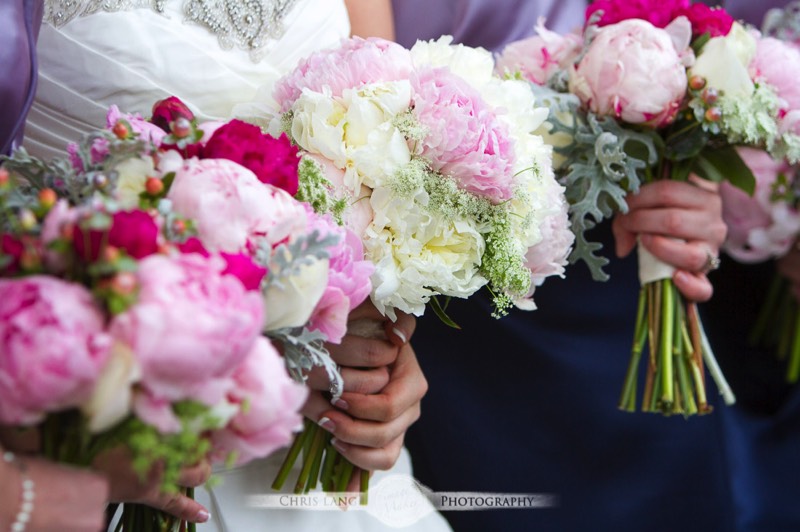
x,y
182,507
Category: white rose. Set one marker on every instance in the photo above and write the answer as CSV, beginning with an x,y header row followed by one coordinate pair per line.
x,y
724,61
318,125
290,302
112,397
476,65
131,176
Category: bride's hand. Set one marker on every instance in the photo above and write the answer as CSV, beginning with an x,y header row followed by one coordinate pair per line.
x,y
127,486
679,223
383,387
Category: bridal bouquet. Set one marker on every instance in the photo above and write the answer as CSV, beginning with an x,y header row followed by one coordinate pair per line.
x,y
429,158
652,90
184,243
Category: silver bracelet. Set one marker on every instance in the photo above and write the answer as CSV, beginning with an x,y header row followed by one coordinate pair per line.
x,y
27,496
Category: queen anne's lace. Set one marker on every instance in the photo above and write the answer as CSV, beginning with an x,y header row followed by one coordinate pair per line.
x,y
244,24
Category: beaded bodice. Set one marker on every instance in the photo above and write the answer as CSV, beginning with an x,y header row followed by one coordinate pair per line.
x,y
245,24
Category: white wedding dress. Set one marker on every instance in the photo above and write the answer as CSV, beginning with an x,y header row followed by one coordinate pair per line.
x,y
213,54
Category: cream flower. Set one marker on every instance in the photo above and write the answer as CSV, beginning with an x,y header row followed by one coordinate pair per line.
x,y
475,65
418,254
131,176
724,61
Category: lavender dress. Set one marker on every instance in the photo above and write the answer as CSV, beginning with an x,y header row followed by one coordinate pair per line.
x,y
19,26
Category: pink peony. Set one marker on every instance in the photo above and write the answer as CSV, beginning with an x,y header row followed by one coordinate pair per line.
x,y
231,207
270,402
190,328
356,62
466,140
776,63
758,227
134,232
550,255
348,279
52,350
146,131
537,58
273,160
634,71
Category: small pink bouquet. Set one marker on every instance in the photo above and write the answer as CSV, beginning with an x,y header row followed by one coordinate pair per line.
x,y
765,225
653,90
176,247
428,157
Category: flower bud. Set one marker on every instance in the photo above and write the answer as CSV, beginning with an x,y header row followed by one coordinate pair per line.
x,y
697,83
47,197
710,96
181,128
713,114
124,283
121,129
154,186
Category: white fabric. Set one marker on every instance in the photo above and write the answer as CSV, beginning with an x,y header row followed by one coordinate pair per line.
x,y
134,58
390,508
137,57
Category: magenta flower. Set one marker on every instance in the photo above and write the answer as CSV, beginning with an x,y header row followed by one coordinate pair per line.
x,y
134,232
273,160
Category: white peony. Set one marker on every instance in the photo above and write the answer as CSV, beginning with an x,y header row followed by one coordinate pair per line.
x,y
419,254
318,125
475,65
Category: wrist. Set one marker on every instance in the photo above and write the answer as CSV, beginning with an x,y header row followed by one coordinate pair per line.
x,y
19,489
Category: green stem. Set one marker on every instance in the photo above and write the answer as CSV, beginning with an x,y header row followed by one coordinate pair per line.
x,y
313,477
793,371
345,475
309,458
766,315
364,487
327,467
190,527
667,323
627,401
291,458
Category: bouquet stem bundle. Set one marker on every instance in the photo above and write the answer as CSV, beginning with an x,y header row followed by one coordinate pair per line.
x,y
323,465
778,326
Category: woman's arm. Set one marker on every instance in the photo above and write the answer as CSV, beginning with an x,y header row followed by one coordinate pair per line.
x,y
371,18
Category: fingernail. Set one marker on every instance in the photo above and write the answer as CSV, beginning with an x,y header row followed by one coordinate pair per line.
x,y
341,447
203,516
341,404
680,276
400,334
327,424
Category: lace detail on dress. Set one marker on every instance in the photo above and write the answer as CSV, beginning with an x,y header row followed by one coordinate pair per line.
x,y
245,24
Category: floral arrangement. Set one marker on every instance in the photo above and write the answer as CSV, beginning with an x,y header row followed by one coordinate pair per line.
x,y
652,90
765,225
428,157
175,248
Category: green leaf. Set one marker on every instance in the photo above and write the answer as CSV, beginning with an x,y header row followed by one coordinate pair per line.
x,y
439,311
698,43
725,164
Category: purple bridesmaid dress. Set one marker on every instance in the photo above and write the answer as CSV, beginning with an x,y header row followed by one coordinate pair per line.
x,y
19,26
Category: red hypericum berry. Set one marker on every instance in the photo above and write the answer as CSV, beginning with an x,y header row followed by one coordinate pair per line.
x,y
713,114
47,197
154,186
121,130
697,82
